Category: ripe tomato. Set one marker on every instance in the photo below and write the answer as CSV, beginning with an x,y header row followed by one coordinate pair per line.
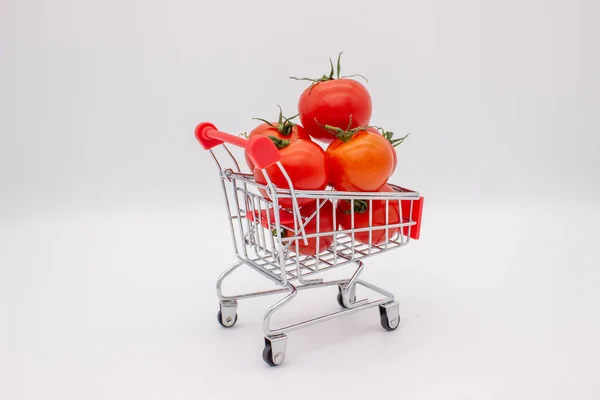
x,y
279,131
361,217
393,142
325,225
333,103
284,129
359,161
340,102
304,162
375,130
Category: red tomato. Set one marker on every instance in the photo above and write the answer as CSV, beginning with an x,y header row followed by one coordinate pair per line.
x,y
284,129
304,162
361,217
361,163
325,225
375,130
274,129
340,102
393,142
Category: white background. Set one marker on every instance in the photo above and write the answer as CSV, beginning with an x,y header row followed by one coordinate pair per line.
x,y
113,231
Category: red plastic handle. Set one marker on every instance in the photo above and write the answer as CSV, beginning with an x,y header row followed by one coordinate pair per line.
x,y
261,150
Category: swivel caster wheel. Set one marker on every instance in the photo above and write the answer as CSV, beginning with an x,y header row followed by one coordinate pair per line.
x,y
351,297
389,315
227,315
274,352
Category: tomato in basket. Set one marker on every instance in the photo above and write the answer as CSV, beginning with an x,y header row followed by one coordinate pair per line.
x,y
358,160
304,162
361,217
283,129
286,218
325,225
333,100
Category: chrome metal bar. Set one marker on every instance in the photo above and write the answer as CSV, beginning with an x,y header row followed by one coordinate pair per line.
x,y
318,230
259,294
356,274
245,212
271,190
237,204
256,201
389,296
267,319
316,194
387,221
410,216
295,206
352,213
237,166
370,225
350,231
227,203
222,277
279,331
401,219
269,222
335,226
265,272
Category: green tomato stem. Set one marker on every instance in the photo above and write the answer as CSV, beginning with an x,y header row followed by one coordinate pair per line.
x,y
280,143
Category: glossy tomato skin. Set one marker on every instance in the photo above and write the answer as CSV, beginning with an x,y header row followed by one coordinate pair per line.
x,y
361,220
375,130
362,164
304,162
298,132
264,129
325,225
332,103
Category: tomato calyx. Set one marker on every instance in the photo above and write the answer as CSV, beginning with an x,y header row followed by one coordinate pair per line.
x,y
334,74
279,143
360,207
281,231
343,134
389,136
285,126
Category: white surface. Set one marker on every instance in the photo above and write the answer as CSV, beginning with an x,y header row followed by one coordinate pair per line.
x,y
112,232
500,300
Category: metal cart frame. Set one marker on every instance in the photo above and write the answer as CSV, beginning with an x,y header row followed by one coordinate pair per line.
x,y
258,226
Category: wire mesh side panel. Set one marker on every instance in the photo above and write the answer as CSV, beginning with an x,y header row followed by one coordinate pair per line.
x,y
227,164
359,228
338,229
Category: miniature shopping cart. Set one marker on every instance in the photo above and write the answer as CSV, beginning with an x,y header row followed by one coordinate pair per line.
x,y
267,237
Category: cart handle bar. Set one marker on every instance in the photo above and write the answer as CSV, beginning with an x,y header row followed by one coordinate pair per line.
x,y
260,149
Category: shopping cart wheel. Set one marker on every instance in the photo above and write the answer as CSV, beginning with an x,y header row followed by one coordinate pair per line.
x,y
352,296
274,352
227,315
389,315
